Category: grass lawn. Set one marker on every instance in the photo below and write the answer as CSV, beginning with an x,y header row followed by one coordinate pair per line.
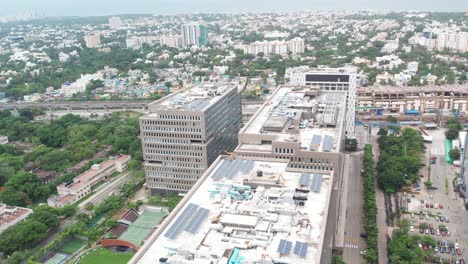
x,y
103,256
72,246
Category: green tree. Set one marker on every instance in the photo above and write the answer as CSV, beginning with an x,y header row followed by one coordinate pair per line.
x,y
451,134
454,154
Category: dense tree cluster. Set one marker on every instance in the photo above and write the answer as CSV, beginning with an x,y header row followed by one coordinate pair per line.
x,y
400,158
454,128
370,206
404,247
32,230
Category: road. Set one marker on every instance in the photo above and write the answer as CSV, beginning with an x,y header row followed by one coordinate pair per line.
x,y
353,243
105,191
79,104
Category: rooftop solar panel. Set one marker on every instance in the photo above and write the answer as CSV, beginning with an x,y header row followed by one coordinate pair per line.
x,y
328,143
284,247
305,179
197,220
316,182
181,221
300,249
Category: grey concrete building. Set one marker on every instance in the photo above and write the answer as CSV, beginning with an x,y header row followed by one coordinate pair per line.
x,y
301,124
185,132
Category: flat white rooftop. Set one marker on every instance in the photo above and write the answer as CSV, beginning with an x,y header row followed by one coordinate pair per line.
x,y
300,114
196,98
245,211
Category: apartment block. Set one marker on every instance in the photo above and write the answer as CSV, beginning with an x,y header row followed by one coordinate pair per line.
x,y
11,215
93,40
185,132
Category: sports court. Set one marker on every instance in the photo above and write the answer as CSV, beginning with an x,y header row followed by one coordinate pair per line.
x,y
58,258
140,229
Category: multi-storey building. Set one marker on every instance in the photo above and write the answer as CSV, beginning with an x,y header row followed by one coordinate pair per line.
x,y
194,34
71,192
115,23
185,132
302,125
93,40
424,99
247,207
281,47
328,79
11,215
171,41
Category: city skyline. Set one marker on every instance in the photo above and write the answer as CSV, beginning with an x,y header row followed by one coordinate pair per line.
x,y
106,7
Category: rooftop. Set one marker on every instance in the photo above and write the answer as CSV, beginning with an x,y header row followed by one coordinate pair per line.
x,y
245,210
9,214
196,98
305,115
413,89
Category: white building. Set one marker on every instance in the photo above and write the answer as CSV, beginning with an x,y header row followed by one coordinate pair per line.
x,y
413,67
11,215
280,47
93,40
137,42
115,23
3,140
171,41
453,40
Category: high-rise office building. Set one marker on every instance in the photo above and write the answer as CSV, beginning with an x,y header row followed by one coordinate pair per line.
x,y
115,23
194,34
93,40
185,132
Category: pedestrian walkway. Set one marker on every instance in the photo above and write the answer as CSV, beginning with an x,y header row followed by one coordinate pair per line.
x,y
351,246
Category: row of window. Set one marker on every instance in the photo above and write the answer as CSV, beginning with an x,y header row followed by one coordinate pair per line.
x,y
170,187
171,135
169,123
166,140
309,167
172,129
174,146
171,152
284,151
179,117
154,175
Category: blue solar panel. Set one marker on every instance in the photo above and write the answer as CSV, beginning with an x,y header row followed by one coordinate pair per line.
x,y
197,220
284,247
316,182
218,174
181,221
328,143
315,143
300,249
305,179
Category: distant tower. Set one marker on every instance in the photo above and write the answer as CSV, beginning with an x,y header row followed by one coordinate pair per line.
x,y
115,23
93,40
194,34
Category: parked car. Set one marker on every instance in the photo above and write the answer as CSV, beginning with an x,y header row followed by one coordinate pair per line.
x,y
364,252
458,251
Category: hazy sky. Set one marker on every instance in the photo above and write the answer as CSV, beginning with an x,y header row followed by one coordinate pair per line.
x,y
108,7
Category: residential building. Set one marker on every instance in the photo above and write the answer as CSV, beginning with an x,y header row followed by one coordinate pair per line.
x,y
281,47
11,215
93,40
462,181
330,79
452,40
424,99
71,192
137,42
246,208
171,41
115,23
194,34
185,132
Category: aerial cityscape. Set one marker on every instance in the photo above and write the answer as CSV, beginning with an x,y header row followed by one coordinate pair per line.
x,y
207,132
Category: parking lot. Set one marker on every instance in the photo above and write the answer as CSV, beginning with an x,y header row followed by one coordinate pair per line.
x,y
439,212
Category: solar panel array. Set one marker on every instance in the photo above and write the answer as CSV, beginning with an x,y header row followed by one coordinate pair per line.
x,y
328,143
316,139
181,221
305,179
230,168
199,104
300,249
197,219
316,182
284,247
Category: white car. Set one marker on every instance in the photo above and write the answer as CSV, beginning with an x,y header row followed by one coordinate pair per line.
x,y
438,232
364,252
457,246
411,228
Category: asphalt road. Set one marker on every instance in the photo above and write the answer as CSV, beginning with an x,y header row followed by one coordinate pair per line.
x,y
353,243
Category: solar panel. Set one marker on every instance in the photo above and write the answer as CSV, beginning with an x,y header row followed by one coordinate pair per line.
x,y
316,139
316,182
300,249
284,247
305,179
181,221
218,173
328,143
197,220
